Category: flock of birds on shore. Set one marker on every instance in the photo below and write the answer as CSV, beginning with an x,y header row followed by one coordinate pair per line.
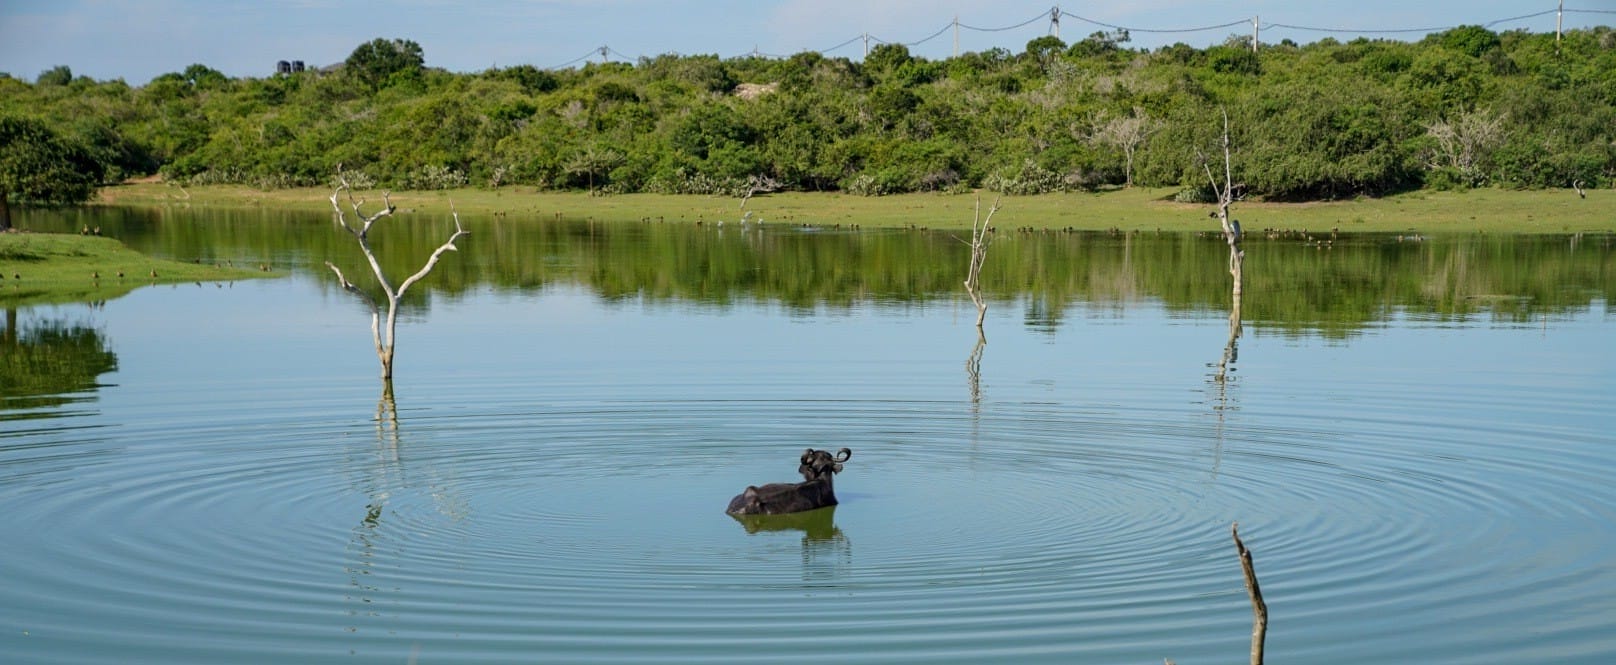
x,y
95,275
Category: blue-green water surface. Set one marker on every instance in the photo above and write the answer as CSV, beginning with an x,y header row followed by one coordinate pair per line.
x,y
1422,483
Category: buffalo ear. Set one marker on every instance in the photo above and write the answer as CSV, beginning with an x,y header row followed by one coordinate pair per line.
x,y
807,455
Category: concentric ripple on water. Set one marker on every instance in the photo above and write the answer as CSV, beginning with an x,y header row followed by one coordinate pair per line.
x,y
552,520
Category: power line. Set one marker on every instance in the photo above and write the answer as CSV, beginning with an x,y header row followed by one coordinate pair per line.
x,y
843,44
1518,18
576,60
1023,24
1404,30
1354,30
1055,14
1157,30
934,35
951,25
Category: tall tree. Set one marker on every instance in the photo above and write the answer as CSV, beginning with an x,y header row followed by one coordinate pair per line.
x,y
1123,132
39,166
377,61
58,75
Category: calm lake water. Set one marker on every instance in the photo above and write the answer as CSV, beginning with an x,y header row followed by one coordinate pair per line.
x,y
1414,434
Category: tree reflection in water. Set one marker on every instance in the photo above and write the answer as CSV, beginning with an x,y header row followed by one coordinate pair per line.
x,y
45,364
1222,378
381,478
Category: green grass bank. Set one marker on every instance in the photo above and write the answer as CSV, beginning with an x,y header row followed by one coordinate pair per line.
x,y
47,268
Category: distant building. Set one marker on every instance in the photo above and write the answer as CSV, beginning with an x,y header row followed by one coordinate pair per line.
x,y
283,67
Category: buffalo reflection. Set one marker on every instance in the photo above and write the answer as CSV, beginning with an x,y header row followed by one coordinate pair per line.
x,y
815,525
826,551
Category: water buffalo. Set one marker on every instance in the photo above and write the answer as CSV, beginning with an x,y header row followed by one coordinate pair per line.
x,y
815,491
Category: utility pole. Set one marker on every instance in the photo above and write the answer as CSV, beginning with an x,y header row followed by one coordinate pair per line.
x,y
866,44
956,35
1253,34
1559,16
1054,20
603,51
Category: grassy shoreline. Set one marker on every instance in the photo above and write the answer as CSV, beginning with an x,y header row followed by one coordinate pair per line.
x,y
1483,210
53,268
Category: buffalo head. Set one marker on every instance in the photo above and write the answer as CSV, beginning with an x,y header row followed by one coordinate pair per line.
x,y
818,464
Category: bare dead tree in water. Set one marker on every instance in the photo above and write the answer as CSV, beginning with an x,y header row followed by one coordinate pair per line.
x,y
1225,192
1259,609
980,227
361,232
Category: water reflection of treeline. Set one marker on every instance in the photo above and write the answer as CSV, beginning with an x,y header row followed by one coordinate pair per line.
x,y
47,363
1323,285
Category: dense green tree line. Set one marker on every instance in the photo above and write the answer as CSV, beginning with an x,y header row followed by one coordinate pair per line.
x,y
1462,108
37,165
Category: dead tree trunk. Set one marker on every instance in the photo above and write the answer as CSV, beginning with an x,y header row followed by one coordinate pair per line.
x,y
1231,227
758,184
980,227
1259,609
383,338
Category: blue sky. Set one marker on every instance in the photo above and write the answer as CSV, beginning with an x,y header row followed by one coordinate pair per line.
x,y
137,40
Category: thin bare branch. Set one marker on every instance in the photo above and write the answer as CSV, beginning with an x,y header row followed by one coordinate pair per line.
x,y
1259,609
341,218
375,312
365,221
349,286
432,261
